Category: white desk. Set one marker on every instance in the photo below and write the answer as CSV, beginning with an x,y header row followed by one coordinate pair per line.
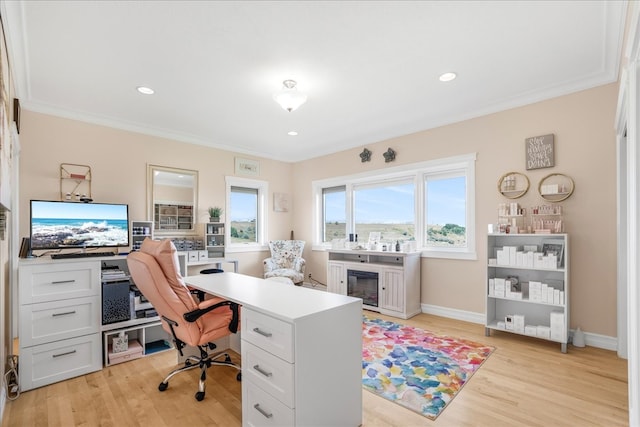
x,y
301,351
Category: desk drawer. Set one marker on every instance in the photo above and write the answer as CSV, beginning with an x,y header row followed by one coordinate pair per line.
x,y
261,409
49,363
269,372
268,333
57,320
52,281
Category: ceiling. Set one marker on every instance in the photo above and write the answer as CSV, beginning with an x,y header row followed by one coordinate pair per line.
x,y
370,69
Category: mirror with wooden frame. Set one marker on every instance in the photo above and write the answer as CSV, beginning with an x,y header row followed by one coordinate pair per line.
x,y
513,185
172,199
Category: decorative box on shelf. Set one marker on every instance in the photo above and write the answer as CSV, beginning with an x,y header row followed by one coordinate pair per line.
x,y
120,343
134,351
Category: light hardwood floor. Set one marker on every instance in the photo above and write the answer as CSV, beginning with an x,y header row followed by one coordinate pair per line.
x,y
525,382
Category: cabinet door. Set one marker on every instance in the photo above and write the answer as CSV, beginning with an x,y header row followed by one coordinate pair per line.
x,y
336,279
392,293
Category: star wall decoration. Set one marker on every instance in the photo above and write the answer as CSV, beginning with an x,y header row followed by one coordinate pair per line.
x,y
389,155
365,156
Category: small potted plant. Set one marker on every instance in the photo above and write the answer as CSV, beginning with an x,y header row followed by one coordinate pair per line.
x,y
214,214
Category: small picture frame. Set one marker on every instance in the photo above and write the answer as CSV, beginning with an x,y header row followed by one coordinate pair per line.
x,y
280,202
554,247
247,167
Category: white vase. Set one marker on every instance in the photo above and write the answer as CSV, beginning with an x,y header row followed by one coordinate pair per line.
x,y
578,338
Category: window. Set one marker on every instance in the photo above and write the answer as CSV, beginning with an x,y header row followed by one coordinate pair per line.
x,y
246,213
334,213
431,203
445,220
387,208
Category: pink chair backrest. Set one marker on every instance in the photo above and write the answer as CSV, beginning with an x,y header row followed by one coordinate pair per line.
x,y
155,272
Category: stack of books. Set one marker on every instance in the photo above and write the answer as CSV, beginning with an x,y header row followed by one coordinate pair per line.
x,y
113,274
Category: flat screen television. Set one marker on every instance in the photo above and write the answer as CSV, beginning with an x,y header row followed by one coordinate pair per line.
x,y
59,225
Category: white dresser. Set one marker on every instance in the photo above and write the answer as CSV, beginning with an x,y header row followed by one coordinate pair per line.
x,y
59,320
301,351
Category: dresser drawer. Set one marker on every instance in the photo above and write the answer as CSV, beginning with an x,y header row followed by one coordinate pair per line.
x,y
268,333
269,372
261,409
58,320
49,363
53,281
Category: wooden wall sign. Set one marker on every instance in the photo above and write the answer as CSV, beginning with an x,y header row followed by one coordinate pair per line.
x,y
539,152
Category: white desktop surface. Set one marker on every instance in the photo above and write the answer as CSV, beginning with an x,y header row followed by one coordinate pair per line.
x,y
277,299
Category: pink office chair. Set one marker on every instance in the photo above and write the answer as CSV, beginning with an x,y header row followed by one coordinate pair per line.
x,y
155,271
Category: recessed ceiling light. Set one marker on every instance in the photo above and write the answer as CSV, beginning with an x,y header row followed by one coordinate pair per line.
x,y
292,133
447,77
145,90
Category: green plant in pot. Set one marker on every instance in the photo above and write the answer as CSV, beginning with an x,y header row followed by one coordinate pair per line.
x,y
215,213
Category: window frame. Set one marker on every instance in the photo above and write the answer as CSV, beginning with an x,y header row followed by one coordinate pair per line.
x,y
444,167
261,221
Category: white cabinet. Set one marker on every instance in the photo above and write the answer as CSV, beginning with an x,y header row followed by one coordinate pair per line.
x,y
392,296
387,282
286,379
59,320
336,278
527,286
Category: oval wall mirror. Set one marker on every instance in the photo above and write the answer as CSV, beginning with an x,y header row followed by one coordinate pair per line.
x,y
513,185
556,187
172,199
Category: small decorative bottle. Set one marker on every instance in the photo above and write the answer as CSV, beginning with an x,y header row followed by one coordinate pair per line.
x,y
397,246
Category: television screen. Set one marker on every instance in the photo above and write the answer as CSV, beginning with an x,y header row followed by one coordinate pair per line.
x,y
56,225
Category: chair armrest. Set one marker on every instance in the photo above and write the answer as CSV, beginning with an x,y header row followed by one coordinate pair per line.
x,y
207,306
269,264
299,265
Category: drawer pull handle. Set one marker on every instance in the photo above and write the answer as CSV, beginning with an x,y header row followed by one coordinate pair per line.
x,y
60,282
63,314
263,333
64,354
262,371
262,411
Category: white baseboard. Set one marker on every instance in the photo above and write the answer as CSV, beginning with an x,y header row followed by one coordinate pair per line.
x,y
451,313
593,340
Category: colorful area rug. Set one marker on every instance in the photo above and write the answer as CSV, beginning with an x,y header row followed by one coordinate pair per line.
x,y
415,368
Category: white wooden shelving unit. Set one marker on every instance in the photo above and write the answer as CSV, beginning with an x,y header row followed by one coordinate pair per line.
x,y
140,230
545,316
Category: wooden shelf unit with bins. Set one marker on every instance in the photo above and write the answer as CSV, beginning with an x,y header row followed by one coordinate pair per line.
x,y
140,230
173,216
214,239
546,312
398,278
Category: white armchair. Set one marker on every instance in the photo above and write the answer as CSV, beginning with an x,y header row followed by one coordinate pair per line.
x,y
286,260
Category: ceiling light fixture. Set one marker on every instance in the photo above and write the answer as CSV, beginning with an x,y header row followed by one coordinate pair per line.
x,y
145,90
447,77
292,133
288,97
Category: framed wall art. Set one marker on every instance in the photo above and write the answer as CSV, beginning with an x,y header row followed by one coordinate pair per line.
x,y
539,151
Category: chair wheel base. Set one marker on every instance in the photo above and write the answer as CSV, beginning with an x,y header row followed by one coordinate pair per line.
x,y
163,386
199,396
239,376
